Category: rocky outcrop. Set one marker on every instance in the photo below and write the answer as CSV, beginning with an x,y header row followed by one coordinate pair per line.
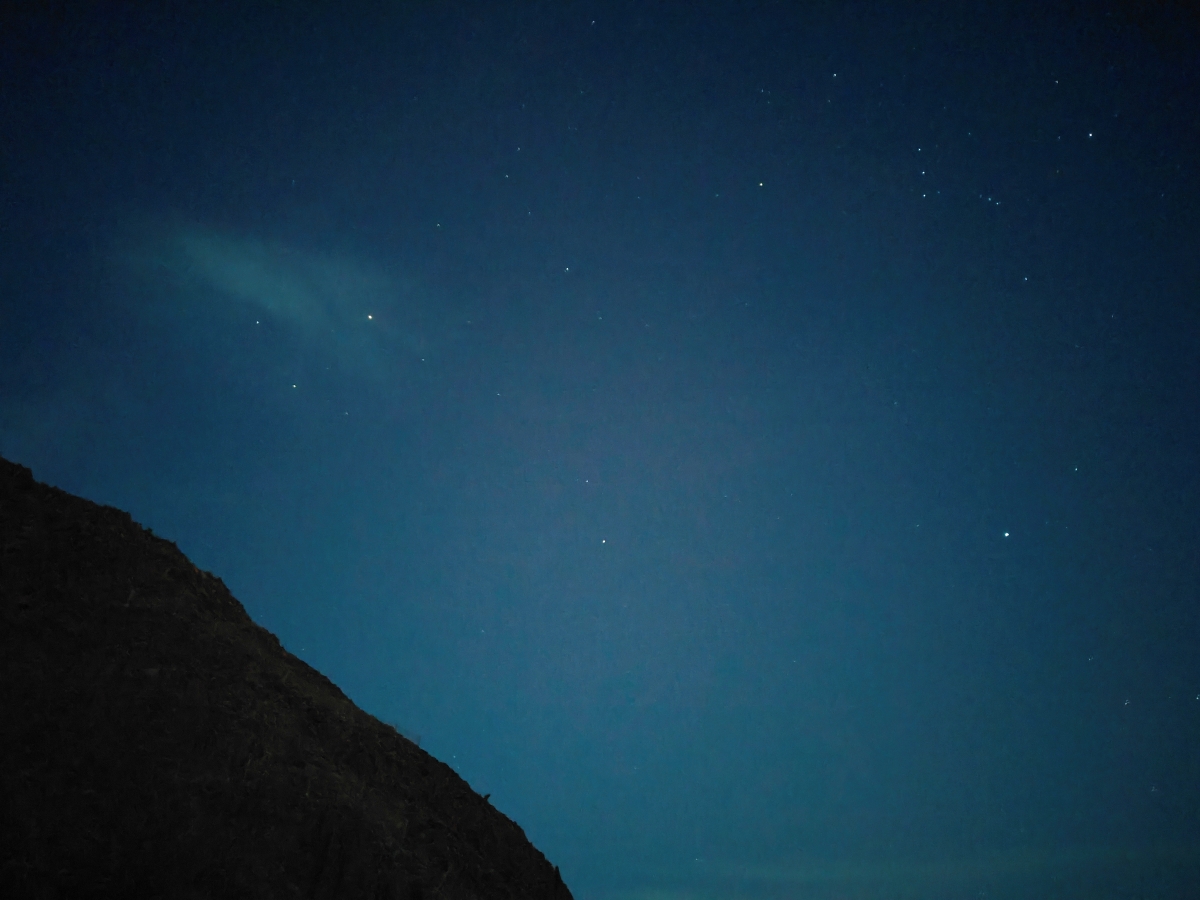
x,y
156,742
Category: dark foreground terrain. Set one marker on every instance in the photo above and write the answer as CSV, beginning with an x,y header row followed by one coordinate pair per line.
x,y
155,742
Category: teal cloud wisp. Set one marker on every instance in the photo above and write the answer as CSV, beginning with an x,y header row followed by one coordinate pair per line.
x,y
333,305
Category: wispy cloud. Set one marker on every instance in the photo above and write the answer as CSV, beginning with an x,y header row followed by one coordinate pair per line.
x,y
347,307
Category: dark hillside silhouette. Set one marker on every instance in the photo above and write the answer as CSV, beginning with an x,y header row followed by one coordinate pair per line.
x,y
155,742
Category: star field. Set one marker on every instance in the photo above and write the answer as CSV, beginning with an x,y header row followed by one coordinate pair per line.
x,y
757,446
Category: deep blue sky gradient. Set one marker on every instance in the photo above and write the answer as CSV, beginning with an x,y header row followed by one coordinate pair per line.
x,y
759,446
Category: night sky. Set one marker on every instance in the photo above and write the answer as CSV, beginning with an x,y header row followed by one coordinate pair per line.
x,y
758,444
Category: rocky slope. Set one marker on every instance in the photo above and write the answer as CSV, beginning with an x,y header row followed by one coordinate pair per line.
x,y
156,742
